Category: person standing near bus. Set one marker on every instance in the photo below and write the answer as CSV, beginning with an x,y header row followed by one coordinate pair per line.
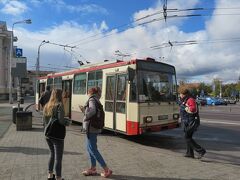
x,y
54,110
43,100
89,111
190,121
45,97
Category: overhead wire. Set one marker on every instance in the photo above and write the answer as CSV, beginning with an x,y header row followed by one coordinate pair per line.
x,y
194,42
168,44
131,25
46,67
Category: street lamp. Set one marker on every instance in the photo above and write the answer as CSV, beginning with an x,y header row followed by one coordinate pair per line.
x,y
27,21
38,57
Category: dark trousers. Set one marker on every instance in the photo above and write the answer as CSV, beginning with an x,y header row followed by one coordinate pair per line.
x,y
191,144
56,153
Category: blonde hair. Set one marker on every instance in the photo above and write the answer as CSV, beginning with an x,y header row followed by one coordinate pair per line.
x,y
55,99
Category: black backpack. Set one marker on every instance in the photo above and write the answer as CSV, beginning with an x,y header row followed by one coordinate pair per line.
x,y
97,121
54,129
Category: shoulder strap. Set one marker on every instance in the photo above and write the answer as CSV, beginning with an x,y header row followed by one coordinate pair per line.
x,y
96,101
185,100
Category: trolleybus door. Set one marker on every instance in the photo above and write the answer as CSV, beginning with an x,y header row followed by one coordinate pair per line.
x,y
115,102
41,89
67,96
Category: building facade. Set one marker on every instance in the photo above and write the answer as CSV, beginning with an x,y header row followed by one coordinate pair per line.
x,y
18,63
5,42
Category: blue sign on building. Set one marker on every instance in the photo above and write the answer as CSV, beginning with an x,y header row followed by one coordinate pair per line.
x,y
18,52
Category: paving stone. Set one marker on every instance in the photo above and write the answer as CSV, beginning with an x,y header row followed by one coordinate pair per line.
x,y
24,155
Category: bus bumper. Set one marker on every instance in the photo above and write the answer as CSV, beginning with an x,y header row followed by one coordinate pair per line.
x,y
134,129
157,128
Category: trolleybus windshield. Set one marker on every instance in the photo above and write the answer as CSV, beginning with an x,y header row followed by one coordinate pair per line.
x,y
156,86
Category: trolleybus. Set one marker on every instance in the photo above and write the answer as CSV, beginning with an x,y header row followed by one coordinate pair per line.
x,y
138,95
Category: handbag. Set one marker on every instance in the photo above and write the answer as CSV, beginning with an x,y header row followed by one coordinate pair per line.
x,y
54,129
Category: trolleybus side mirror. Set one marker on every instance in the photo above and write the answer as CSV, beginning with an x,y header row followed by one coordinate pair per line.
x,y
131,74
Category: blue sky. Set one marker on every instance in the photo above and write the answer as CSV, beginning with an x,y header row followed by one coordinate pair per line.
x,y
47,13
71,21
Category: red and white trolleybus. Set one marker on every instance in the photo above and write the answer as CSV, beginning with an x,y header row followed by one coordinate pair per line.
x,y
138,95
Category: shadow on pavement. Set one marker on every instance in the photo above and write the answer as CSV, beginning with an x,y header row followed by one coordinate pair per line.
x,y
31,151
123,177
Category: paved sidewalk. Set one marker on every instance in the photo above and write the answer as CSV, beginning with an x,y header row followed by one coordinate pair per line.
x,y
24,156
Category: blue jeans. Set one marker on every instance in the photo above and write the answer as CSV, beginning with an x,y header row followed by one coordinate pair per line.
x,y
56,153
94,155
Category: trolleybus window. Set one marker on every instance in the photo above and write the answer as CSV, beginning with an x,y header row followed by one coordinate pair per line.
x,y
133,89
95,79
41,88
50,83
110,88
121,93
174,87
58,83
156,86
79,85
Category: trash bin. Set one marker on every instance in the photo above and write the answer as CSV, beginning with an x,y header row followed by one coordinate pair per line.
x,y
23,120
14,111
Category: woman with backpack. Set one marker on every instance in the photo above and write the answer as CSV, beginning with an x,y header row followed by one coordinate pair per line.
x,y
190,121
90,110
55,131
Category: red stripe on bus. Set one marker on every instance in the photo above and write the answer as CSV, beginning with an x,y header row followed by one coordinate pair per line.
x,y
132,128
93,68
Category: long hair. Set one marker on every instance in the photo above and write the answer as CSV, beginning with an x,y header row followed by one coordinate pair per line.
x,y
55,99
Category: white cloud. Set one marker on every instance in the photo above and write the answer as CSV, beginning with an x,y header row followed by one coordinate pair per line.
x,y
14,7
157,12
203,61
103,26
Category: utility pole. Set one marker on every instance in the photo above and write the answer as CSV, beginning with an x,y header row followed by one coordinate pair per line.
x,y
38,57
27,21
220,84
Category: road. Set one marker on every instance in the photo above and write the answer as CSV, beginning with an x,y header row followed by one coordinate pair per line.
x,y
219,133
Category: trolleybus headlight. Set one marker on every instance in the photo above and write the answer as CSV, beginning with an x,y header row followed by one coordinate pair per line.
x,y
148,119
175,116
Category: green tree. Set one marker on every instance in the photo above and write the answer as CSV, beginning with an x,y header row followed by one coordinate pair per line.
x,y
217,87
206,88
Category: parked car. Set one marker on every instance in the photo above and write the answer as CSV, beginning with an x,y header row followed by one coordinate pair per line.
x,y
231,100
201,101
213,101
222,101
